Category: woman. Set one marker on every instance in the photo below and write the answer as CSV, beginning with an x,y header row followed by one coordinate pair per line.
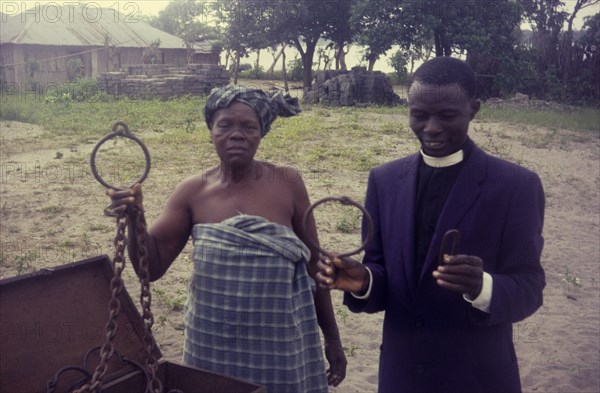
x,y
250,312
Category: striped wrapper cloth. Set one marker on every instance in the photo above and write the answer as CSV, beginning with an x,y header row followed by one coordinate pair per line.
x,y
250,312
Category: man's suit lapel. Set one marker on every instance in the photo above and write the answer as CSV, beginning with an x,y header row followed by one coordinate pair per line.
x,y
464,193
406,203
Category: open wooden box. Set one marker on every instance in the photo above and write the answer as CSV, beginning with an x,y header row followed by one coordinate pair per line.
x,y
50,319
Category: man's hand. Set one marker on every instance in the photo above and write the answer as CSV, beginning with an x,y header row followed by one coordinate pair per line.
x,y
121,200
345,274
461,273
337,362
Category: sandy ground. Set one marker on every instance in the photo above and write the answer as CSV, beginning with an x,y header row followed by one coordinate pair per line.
x,y
46,220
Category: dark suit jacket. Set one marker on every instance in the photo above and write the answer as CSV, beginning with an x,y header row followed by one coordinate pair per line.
x,y
433,340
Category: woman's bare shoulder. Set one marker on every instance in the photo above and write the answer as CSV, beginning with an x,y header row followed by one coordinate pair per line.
x,y
195,183
277,172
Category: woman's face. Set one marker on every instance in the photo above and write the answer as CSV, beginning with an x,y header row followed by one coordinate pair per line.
x,y
236,134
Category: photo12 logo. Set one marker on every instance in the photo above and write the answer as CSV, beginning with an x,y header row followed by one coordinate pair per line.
x,y
69,11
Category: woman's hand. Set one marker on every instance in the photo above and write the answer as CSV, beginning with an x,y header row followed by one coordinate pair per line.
x,y
122,199
337,362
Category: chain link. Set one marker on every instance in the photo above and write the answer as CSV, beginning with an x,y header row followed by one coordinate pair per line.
x,y
116,286
135,213
146,301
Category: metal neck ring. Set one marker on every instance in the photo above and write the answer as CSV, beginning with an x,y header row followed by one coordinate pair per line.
x,y
119,129
344,201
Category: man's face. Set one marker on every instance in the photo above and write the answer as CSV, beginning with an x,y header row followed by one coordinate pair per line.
x,y
236,134
439,115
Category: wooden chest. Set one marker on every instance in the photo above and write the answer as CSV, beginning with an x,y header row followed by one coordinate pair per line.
x,y
50,319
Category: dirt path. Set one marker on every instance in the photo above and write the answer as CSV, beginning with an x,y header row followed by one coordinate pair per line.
x,y
50,209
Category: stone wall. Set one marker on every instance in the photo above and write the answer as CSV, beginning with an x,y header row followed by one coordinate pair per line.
x,y
163,81
347,88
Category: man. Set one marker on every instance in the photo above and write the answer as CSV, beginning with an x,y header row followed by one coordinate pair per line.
x,y
250,311
448,320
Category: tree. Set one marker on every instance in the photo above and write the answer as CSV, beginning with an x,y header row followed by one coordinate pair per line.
x,y
584,82
183,18
340,32
488,39
379,24
568,37
420,49
591,33
477,27
152,54
546,18
398,62
259,24
482,30
302,23
246,26
488,34
554,49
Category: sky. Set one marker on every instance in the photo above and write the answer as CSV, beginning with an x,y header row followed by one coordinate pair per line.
x,y
153,7
147,7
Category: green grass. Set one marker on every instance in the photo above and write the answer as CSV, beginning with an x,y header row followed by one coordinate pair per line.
x,y
329,138
100,227
52,210
175,302
184,114
580,119
25,262
349,222
93,119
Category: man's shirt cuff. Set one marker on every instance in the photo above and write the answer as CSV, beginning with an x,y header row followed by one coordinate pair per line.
x,y
368,293
484,300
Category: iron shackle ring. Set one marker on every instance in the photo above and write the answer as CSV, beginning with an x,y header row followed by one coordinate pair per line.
x,y
123,131
344,201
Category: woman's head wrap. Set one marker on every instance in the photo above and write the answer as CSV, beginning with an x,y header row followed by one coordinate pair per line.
x,y
266,106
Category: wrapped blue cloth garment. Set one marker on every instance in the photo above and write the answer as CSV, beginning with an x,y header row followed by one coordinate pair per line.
x,y
250,311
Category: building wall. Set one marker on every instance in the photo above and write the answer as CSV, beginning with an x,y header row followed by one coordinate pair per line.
x,y
205,58
7,57
53,62
129,56
176,57
45,65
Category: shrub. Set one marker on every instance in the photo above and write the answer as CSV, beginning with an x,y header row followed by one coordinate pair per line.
x,y
79,90
295,70
75,68
398,62
253,73
245,67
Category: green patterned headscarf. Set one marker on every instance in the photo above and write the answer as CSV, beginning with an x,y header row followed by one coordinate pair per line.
x,y
266,106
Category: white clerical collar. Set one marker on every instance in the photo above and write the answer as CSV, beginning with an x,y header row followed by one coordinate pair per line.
x,y
442,162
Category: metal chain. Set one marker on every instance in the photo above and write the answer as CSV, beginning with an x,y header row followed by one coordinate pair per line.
x,y
135,213
116,285
146,300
